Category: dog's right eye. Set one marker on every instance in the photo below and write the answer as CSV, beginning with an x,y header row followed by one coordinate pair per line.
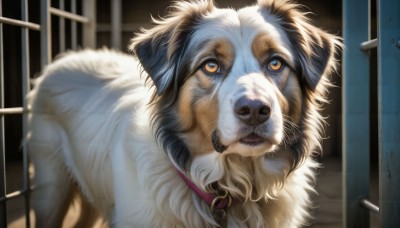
x,y
276,65
211,67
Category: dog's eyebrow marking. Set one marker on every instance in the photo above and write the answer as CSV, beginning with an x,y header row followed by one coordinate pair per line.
x,y
264,45
221,49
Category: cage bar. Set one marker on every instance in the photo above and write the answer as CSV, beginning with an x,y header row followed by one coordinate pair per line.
x,y
74,36
389,112
370,206
25,89
3,206
68,15
19,23
89,29
45,33
355,108
367,45
116,21
61,30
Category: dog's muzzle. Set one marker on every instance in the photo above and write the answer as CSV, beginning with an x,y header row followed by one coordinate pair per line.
x,y
251,113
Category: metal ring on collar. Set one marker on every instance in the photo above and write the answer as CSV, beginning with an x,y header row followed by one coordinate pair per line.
x,y
218,199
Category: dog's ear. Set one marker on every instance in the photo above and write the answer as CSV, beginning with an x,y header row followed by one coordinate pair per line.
x,y
161,48
314,49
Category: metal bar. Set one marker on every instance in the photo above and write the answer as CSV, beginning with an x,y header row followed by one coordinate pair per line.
x,y
389,112
355,106
116,20
25,89
12,111
74,36
61,28
3,206
89,29
13,195
45,33
68,15
368,45
25,24
370,206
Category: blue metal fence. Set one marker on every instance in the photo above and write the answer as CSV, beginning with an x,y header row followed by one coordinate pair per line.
x,y
356,23
389,111
45,30
356,108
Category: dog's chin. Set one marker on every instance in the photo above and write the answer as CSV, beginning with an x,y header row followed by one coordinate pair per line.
x,y
249,145
250,150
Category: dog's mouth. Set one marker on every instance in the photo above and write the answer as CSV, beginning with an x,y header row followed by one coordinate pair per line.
x,y
253,139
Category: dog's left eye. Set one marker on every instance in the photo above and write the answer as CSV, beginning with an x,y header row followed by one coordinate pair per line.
x,y
275,65
211,67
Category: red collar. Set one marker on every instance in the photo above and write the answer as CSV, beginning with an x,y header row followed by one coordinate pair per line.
x,y
216,202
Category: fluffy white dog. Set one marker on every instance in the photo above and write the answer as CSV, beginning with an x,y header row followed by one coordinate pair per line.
x,y
222,134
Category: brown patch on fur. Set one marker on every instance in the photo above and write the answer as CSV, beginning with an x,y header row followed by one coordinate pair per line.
x,y
203,80
225,52
198,114
283,102
197,105
222,50
186,114
290,96
262,45
292,92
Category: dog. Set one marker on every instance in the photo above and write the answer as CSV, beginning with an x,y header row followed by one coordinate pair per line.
x,y
214,121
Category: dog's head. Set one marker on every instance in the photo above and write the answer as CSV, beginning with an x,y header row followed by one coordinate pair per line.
x,y
245,82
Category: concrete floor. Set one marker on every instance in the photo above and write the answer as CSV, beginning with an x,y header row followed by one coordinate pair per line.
x,y
327,214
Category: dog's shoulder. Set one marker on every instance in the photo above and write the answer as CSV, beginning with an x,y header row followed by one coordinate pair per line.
x,y
91,66
92,77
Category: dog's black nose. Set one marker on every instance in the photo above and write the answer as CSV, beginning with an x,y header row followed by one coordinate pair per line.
x,y
252,111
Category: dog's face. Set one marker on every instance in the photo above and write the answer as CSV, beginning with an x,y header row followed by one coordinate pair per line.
x,y
240,72
233,81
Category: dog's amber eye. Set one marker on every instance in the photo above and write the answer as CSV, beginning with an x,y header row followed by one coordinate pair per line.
x,y
211,67
275,64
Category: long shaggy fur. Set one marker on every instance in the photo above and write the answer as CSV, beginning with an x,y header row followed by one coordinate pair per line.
x,y
116,129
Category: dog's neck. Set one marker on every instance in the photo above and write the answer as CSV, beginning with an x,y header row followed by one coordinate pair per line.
x,y
218,202
215,201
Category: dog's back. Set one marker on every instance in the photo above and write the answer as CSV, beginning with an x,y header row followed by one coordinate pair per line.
x,y
81,100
